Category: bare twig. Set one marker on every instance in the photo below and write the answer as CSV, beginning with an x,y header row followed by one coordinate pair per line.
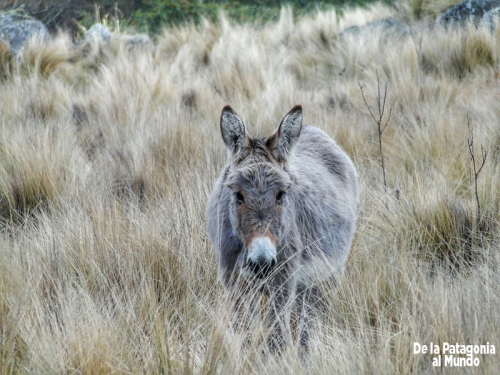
x,y
484,154
381,109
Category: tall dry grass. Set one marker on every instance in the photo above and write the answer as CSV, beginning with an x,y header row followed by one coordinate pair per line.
x,y
108,154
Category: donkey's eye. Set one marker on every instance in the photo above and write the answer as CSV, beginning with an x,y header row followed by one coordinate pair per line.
x,y
279,197
240,199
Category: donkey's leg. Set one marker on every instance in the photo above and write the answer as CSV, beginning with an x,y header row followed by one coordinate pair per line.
x,y
303,312
310,303
245,317
280,308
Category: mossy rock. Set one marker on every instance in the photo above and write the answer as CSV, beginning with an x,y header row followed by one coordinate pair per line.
x,y
387,27
18,27
476,11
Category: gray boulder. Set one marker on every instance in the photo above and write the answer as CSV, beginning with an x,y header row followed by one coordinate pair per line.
x,y
4,41
98,33
136,40
388,27
17,28
476,11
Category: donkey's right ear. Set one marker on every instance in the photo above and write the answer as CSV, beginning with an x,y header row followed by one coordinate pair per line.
x,y
233,133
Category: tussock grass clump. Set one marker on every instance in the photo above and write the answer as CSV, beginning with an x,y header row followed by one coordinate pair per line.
x,y
472,48
12,346
46,57
29,184
6,59
108,154
430,9
447,233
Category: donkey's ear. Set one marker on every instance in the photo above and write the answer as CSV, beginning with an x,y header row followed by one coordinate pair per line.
x,y
233,133
287,134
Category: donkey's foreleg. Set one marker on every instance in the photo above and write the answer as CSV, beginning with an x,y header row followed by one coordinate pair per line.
x,y
280,308
309,302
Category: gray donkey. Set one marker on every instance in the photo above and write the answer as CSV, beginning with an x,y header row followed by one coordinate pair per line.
x,y
282,216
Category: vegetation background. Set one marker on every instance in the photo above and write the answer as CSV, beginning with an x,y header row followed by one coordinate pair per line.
x,y
153,15
108,153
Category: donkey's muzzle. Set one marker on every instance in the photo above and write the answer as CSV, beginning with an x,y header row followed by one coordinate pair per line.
x,y
261,257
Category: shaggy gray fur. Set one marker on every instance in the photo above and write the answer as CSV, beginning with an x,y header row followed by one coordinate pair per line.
x,y
298,188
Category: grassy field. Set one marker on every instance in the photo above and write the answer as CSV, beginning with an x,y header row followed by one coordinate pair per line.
x,y
108,154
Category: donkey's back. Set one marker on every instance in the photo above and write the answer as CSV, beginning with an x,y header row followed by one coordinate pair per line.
x,y
326,196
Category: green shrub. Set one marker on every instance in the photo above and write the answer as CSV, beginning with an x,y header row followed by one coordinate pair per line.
x,y
153,15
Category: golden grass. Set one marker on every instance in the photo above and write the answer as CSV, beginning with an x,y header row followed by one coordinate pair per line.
x,y
431,8
6,59
108,154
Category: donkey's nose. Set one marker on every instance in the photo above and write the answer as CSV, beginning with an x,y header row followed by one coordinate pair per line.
x,y
262,267
261,256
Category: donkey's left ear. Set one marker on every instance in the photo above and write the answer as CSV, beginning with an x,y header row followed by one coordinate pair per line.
x,y
287,134
234,134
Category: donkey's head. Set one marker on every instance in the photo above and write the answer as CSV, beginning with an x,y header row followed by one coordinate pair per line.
x,y
260,207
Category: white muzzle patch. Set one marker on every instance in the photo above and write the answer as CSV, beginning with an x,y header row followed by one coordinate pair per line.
x,y
261,250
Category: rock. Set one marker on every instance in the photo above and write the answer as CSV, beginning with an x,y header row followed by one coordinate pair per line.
x,y
136,40
4,41
477,11
98,32
17,28
388,27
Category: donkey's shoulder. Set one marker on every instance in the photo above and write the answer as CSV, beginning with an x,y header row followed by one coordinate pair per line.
x,y
311,137
321,150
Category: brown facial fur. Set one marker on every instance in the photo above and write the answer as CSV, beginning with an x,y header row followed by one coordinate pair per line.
x,y
259,182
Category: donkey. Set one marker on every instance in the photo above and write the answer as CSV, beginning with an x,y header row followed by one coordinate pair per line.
x,y
282,216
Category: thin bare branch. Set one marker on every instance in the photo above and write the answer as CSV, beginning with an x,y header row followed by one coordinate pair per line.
x,y
381,110
387,122
383,104
484,154
378,93
361,87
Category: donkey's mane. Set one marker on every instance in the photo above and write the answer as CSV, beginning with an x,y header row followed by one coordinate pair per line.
x,y
260,152
259,172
